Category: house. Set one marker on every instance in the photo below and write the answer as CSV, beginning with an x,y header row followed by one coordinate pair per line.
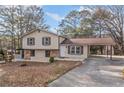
x,y
41,45
80,47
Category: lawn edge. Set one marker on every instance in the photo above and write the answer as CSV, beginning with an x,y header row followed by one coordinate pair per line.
x,y
47,83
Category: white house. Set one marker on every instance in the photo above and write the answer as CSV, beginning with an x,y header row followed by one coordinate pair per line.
x,y
80,47
39,46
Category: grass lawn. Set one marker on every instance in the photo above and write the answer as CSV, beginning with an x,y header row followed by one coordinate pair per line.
x,y
35,74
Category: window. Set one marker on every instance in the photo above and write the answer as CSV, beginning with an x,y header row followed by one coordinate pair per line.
x,y
74,50
30,41
47,53
78,50
32,52
46,41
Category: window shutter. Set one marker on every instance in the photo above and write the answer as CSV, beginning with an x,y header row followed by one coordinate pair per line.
x,y
68,49
33,41
49,41
27,41
82,50
42,41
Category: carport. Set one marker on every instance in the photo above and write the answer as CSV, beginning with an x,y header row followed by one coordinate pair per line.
x,y
107,43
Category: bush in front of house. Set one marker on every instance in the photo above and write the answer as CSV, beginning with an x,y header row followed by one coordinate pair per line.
x,y
1,57
1,54
51,59
123,72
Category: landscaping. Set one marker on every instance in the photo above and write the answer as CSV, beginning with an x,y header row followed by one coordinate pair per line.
x,y
35,74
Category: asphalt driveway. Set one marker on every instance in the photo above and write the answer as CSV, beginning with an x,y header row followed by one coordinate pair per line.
x,y
95,72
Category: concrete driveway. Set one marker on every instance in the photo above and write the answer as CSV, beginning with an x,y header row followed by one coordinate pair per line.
x,y
95,72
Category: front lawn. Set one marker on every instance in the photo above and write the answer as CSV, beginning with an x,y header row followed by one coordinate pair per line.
x,y
35,74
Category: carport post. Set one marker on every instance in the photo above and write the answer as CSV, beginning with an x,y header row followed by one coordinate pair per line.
x,y
107,51
111,53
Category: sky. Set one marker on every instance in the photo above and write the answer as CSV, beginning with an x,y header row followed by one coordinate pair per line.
x,y
55,13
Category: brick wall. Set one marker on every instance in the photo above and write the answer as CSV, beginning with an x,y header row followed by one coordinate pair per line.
x,y
54,53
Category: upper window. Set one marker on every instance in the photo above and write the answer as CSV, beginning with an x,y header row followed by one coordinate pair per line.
x,y
74,50
46,41
31,41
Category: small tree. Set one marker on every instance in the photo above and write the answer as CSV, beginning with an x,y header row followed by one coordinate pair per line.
x,y
2,52
51,60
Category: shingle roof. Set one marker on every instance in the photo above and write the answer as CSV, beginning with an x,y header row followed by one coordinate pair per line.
x,y
27,33
67,41
91,41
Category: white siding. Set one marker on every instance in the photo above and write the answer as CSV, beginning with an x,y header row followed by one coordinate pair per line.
x,y
64,52
40,56
38,40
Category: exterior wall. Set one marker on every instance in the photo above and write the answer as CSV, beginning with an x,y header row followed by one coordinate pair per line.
x,y
39,48
64,52
54,53
62,39
40,56
27,54
38,40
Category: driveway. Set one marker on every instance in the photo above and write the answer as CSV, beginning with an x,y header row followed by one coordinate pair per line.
x,y
95,72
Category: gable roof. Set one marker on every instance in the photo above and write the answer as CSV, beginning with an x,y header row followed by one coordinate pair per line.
x,y
67,41
27,33
90,41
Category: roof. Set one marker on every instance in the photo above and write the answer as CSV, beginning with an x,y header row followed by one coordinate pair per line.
x,y
67,41
27,33
90,41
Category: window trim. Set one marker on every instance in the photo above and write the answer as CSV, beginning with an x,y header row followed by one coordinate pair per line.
x,y
46,42
78,50
75,50
72,50
32,55
29,42
46,53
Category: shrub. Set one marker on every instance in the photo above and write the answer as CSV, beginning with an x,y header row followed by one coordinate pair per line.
x,y
123,72
1,52
51,60
1,57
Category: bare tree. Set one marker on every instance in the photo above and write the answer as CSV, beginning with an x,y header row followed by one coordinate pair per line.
x,y
7,22
16,20
112,19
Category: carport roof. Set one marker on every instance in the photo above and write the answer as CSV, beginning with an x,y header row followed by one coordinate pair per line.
x,y
90,41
